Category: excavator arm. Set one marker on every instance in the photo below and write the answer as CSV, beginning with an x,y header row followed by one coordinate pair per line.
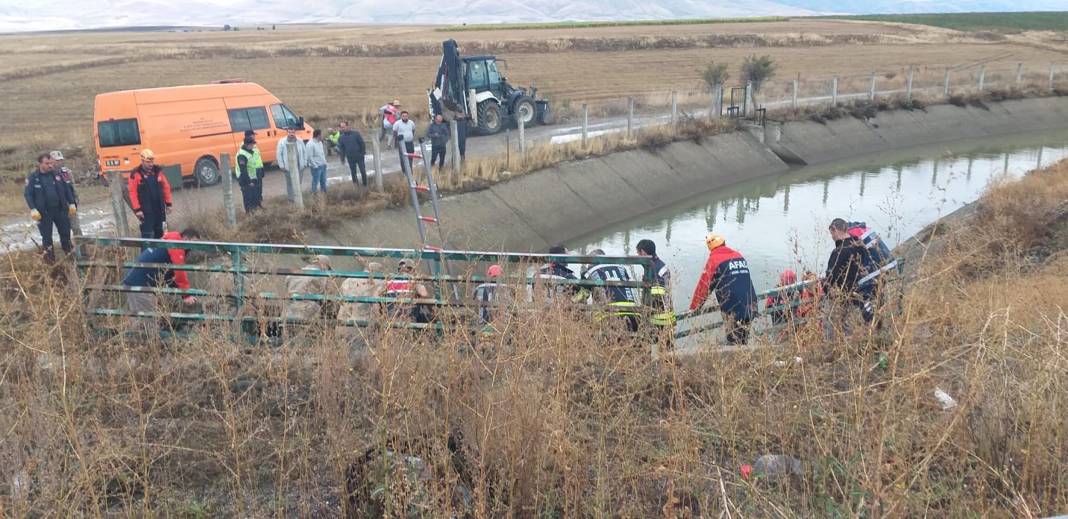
x,y
450,89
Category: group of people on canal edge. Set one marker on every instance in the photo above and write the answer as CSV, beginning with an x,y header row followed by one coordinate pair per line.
x,y
851,282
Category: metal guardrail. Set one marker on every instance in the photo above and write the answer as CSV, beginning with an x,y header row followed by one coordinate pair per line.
x,y
239,254
239,267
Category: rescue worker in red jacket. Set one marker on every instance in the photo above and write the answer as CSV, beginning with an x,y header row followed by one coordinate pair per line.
x,y
727,274
150,195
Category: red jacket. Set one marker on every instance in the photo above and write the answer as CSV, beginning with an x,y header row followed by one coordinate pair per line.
x,y
149,192
181,280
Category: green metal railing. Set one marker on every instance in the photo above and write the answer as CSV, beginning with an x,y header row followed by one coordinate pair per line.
x,y
89,256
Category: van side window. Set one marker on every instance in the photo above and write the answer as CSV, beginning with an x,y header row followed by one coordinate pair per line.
x,y
243,119
283,117
123,132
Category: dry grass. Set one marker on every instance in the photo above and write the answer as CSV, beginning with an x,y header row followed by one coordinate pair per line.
x,y
555,418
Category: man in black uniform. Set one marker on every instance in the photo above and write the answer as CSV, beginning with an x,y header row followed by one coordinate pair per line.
x,y
622,302
52,202
845,267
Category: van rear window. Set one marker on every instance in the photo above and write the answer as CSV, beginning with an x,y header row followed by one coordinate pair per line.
x,y
123,132
244,119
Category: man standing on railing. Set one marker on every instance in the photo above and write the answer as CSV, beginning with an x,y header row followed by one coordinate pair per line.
x,y
150,195
663,312
148,278
727,274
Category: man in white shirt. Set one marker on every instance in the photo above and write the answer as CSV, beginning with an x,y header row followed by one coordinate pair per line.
x,y
316,153
291,154
404,131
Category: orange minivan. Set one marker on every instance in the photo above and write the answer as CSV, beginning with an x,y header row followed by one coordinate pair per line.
x,y
189,127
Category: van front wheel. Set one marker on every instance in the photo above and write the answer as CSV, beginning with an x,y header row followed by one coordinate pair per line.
x,y
206,172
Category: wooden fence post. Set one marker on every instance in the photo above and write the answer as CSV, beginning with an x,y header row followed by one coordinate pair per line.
x,y
793,94
376,161
945,83
1051,77
1019,73
674,109
522,139
982,77
717,102
585,124
454,144
228,190
630,117
871,87
908,85
118,204
293,175
748,99
834,91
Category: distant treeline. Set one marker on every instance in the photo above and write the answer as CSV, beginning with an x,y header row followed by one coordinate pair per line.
x,y
1013,22
607,23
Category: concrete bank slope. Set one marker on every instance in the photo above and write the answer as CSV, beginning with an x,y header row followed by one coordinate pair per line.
x,y
816,143
553,205
533,211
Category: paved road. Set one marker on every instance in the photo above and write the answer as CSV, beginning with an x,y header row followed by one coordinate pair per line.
x,y
96,218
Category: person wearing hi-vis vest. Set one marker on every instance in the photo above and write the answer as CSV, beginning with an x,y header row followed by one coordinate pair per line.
x,y
248,176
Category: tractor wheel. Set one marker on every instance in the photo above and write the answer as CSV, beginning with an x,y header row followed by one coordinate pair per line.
x,y
489,117
524,109
206,172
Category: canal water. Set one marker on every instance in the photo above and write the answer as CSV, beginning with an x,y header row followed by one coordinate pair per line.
x,y
780,222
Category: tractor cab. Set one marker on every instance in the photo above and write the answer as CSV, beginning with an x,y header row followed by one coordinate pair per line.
x,y
474,85
483,75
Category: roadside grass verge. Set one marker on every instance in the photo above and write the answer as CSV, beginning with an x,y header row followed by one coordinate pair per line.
x,y
560,417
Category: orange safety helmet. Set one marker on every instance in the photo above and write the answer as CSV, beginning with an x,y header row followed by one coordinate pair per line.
x,y
714,240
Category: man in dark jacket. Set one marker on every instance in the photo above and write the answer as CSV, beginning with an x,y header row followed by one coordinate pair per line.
x,y
351,146
845,267
146,278
150,195
52,202
554,272
727,274
438,133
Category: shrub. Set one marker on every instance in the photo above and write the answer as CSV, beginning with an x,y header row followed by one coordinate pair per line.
x,y
715,74
758,69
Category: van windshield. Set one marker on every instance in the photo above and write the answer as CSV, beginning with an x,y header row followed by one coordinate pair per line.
x,y
123,132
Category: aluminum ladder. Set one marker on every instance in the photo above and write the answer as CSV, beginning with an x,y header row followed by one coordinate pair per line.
x,y
422,221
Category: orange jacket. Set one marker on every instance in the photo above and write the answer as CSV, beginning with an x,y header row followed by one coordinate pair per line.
x,y
181,280
150,191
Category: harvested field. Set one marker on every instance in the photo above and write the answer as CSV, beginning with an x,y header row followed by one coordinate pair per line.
x,y
325,72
